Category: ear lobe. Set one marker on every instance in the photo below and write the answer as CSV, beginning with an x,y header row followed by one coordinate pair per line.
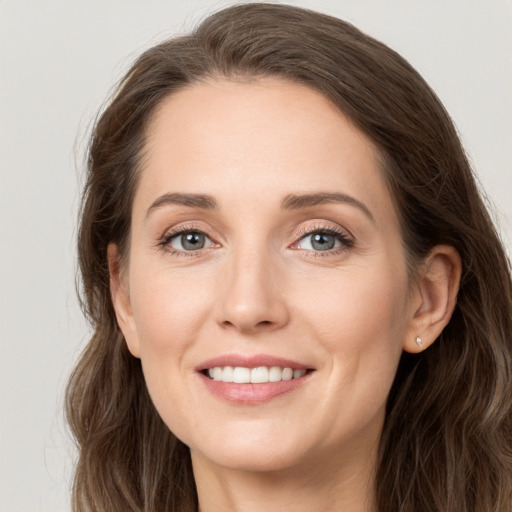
x,y
119,292
435,297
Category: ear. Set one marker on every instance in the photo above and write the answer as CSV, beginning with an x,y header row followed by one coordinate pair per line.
x,y
434,297
120,293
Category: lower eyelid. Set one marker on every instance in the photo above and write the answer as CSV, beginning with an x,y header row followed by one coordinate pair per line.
x,y
343,246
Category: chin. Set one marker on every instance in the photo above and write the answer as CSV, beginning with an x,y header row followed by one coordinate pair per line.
x,y
250,460
250,453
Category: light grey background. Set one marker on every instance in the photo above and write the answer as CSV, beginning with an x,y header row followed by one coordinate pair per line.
x,y
58,61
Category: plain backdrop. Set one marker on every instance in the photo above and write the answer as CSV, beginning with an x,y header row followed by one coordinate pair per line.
x,y
58,62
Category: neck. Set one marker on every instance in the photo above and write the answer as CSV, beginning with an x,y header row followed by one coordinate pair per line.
x,y
343,483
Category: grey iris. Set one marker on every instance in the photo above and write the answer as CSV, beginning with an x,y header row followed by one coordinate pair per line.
x,y
192,241
322,241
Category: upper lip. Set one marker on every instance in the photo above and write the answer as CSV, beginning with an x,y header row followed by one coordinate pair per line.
x,y
250,361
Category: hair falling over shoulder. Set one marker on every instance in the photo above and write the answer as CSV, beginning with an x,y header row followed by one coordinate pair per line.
x,y
447,439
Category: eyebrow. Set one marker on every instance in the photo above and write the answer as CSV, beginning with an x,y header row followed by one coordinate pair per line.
x,y
296,201
193,200
290,202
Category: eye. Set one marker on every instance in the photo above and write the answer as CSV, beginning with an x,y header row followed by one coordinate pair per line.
x,y
319,241
188,241
323,240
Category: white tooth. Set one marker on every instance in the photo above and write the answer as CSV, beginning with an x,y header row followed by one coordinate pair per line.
x,y
274,374
241,375
210,372
227,374
259,375
287,374
217,373
298,373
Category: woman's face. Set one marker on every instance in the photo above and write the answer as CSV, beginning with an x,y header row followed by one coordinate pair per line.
x,y
265,249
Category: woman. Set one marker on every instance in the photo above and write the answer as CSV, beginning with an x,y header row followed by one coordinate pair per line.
x,y
298,297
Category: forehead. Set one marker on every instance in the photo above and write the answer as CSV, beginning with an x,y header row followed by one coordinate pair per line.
x,y
235,139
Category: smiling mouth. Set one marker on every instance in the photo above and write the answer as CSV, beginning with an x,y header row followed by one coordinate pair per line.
x,y
258,375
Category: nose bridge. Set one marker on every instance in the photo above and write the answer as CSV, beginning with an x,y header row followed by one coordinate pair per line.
x,y
252,298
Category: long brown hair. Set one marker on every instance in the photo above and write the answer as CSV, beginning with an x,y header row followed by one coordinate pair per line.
x,y
447,439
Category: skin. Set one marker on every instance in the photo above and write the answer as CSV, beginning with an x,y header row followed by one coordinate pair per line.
x,y
260,287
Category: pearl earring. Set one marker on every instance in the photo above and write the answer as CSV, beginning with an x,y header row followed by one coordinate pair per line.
x,y
418,342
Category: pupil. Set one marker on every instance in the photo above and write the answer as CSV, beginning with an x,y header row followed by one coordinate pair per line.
x,y
322,241
192,241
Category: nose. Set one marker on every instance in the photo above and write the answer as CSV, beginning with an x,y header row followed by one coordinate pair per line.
x,y
252,297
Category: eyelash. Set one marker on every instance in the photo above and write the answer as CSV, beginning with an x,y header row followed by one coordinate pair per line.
x,y
164,242
346,240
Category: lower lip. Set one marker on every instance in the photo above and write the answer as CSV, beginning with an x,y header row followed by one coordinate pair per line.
x,y
252,394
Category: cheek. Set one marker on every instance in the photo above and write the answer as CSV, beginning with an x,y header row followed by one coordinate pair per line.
x,y
358,304
360,318
168,308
